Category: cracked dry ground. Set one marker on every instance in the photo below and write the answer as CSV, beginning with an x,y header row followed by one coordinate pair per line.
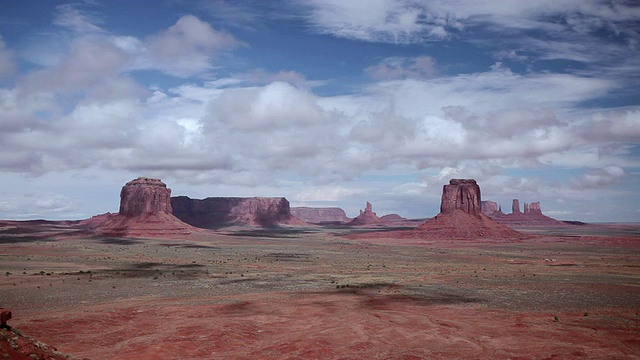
x,y
314,294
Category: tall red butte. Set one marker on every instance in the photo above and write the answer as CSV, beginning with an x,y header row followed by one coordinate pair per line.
x,y
145,196
145,211
461,217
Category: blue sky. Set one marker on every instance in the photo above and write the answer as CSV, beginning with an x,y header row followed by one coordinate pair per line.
x,y
325,102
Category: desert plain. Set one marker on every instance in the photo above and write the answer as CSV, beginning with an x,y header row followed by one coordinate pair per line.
x,y
325,293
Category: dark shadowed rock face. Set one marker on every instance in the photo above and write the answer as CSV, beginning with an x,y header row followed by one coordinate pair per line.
x,y
461,194
145,196
145,211
320,215
222,211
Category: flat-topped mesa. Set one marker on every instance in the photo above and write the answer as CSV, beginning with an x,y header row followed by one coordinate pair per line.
x,y
213,212
145,196
461,194
320,215
489,207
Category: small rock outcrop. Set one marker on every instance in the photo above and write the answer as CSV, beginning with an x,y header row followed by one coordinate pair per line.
x,y
15,345
145,211
145,196
366,217
461,217
330,215
215,212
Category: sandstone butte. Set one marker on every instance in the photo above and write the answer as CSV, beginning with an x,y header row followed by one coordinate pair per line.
x,y
461,216
532,215
145,211
214,212
326,215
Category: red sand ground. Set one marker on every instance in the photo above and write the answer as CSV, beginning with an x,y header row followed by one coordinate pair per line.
x,y
329,326
282,294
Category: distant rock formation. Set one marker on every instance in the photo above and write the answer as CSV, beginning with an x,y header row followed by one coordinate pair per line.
x,y
532,215
366,217
533,208
215,212
489,207
515,206
461,217
145,211
392,218
330,215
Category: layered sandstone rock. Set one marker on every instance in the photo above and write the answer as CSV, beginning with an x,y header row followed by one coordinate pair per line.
x,y
320,215
366,217
461,217
145,196
145,211
214,212
515,206
532,216
489,207
461,194
533,208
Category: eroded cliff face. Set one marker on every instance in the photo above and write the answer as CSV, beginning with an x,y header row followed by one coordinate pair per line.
x,y
224,211
320,215
145,196
461,194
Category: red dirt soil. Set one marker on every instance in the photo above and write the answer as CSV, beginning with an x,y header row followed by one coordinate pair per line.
x,y
348,325
315,294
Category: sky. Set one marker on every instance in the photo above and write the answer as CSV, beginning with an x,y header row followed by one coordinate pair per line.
x,y
324,102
